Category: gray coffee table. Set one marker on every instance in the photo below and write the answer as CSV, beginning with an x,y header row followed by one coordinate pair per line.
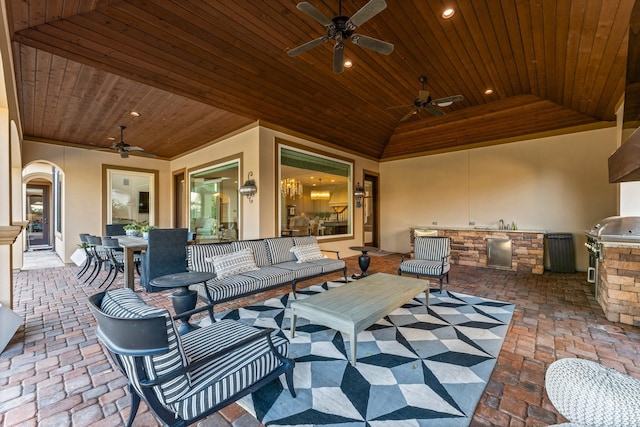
x,y
354,307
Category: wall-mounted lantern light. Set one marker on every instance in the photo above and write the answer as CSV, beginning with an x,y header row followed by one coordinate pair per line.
x,y
358,194
249,188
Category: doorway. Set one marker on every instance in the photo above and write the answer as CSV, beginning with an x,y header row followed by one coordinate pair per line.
x,y
38,215
178,200
371,210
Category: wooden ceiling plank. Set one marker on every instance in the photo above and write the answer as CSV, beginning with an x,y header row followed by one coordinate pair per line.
x,y
589,27
526,29
485,24
515,37
537,26
549,34
561,43
611,40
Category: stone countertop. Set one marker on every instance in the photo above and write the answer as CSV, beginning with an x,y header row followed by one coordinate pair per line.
x,y
479,229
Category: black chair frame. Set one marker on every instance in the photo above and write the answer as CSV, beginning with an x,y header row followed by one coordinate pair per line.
x,y
148,337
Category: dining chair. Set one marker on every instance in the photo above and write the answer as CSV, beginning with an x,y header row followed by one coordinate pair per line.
x,y
166,253
115,256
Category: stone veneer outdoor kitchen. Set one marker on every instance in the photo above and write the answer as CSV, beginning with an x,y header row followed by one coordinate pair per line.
x,y
469,246
618,282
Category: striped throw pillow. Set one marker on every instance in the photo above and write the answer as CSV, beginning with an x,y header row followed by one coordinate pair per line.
x,y
233,263
306,253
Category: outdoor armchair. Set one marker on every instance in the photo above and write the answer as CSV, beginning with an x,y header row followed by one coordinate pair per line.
x,y
430,258
183,379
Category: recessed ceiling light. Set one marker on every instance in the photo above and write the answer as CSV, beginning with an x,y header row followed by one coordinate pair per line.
x,y
134,114
448,13
111,138
488,91
348,63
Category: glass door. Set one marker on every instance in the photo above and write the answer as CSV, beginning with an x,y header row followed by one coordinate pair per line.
x,y
38,229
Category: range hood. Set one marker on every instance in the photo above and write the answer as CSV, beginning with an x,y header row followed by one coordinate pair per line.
x,y
624,163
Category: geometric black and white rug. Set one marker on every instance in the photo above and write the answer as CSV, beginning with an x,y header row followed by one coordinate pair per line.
x,y
419,366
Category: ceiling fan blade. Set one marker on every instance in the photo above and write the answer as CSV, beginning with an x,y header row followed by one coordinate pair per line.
x,y
400,106
434,111
409,114
306,46
373,44
365,13
144,154
423,96
124,154
338,58
447,100
130,148
314,13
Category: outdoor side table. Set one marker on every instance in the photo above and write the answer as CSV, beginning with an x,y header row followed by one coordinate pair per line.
x,y
363,260
183,298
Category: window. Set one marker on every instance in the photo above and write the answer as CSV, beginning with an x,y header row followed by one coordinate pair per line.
x,y
214,202
130,195
315,194
57,199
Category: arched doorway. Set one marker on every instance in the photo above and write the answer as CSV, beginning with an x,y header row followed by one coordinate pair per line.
x,y
42,183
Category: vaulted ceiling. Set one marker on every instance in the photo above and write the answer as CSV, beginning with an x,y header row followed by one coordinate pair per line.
x,y
198,70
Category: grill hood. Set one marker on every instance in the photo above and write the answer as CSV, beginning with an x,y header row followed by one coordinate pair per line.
x,y
617,228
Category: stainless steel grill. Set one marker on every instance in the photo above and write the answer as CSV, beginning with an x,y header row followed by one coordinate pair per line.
x,y
617,229
612,229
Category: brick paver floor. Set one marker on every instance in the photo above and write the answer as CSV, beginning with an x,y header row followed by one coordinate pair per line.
x,y
54,371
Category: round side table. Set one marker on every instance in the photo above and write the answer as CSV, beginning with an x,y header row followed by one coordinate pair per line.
x,y
183,298
363,261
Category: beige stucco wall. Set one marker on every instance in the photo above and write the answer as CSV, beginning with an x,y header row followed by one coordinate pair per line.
x,y
557,184
82,187
259,155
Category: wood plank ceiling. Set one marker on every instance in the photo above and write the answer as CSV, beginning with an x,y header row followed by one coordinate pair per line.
x,y
198,70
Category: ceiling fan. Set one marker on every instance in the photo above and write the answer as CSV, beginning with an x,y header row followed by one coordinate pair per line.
x,y
424,102
124,149
340,28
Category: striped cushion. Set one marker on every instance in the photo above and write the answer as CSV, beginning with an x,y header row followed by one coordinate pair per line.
x,y
306,253
329,264
279,249
230,287
234,371
197,254
424,267
233,263
305,240
431,248
270,276
259,250
124,303
305,269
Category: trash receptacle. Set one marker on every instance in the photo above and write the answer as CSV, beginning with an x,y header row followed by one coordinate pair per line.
x,y
562,257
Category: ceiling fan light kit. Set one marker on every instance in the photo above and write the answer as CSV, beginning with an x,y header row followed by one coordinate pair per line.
x,y
424,102
341,28
124,149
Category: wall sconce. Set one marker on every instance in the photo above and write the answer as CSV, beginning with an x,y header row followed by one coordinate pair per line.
x,y
358,194
249,188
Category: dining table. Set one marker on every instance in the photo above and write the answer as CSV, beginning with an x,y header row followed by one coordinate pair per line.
x,y
131,244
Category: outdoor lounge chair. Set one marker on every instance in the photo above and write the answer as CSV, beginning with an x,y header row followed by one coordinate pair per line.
x,y
185,378
166,253
590,394
430,258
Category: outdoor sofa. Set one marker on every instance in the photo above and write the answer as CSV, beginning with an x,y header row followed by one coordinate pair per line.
x,y
246,267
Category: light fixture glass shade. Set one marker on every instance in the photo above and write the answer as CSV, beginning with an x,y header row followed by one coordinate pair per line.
x,y
249,188
358,194
320,195
290,187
